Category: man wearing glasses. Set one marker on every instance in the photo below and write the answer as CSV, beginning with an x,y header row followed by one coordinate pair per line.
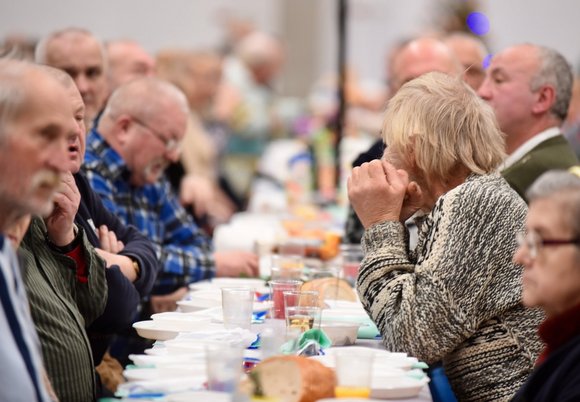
x,y
138,135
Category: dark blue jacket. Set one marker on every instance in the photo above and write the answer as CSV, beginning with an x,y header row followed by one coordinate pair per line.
x,y
556,379
123,296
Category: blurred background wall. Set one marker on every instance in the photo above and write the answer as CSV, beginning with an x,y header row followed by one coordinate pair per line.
x,y
308,27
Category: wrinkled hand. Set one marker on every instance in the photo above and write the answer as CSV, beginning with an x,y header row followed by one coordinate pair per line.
x,y
376,191
413,201
60,222
236,263
162,304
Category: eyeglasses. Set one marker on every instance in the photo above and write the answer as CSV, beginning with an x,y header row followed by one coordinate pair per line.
x,y
534,242
170,144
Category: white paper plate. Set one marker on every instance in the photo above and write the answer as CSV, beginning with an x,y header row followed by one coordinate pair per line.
x,y
383,361
148,374
219,283
150,329
397,387
181,321
166,359
205,396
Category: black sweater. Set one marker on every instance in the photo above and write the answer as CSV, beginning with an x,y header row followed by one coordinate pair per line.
x,y
123,296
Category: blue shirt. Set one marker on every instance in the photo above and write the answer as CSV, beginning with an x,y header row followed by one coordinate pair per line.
x,y
20,368
184,250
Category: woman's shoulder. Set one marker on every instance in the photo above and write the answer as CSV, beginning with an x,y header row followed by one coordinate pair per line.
x,y
485,190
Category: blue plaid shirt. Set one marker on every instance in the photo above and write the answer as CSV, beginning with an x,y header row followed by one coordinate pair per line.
x,y
185,252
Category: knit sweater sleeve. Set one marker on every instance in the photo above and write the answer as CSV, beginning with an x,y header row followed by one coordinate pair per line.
x,y
462,274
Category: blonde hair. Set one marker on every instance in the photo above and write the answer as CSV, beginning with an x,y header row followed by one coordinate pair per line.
x,y
440,122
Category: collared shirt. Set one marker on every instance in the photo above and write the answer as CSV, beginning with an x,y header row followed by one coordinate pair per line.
x,y
184,251
528,146
20,372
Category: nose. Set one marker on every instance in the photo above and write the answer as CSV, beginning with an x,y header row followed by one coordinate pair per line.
x,y
57,157
173,154
521,256
484,91
82,83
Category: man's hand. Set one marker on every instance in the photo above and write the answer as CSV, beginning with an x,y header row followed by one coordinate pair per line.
x,y
108,240
161,304
110,247
236,263
60,223
377,191
197,191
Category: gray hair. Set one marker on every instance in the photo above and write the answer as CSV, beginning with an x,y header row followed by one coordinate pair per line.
x,y
448,125
566,187
61,76
143,96
554,70
12,93
41,51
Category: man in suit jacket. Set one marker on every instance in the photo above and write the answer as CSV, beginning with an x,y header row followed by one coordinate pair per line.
x,y
529,87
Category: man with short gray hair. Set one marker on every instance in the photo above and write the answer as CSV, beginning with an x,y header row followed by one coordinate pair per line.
x,y
35,121
83,57
138,135
529,88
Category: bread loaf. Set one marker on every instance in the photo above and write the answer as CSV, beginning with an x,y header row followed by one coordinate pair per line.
x,y
331,288
294,379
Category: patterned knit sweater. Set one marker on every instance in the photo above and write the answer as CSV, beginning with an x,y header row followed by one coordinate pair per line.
x,y
457,297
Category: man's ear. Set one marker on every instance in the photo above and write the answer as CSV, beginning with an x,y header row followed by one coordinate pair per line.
x,y
545,99
122,125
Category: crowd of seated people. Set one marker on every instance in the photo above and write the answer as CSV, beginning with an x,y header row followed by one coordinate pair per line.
x,y
116,165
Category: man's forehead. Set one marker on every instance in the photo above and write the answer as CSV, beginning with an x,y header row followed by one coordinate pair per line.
x,y
72,51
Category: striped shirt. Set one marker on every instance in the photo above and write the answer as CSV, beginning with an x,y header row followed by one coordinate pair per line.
x,y
61,306
184,251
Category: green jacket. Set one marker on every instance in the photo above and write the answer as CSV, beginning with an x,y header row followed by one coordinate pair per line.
x,y
554,153
61,307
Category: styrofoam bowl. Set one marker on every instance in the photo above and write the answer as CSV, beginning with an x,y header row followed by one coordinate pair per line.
x,y
340,333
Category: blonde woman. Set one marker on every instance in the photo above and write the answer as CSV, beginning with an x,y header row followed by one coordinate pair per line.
x,y
456,298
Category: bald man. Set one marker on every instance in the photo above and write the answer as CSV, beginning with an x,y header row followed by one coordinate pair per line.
x,y
471,53
127,61
82,56
413,59
529,87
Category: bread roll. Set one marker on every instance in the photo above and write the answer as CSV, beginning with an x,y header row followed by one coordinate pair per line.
x,y
294,379
331,288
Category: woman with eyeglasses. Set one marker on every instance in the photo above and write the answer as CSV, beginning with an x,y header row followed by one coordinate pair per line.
x,y
550,253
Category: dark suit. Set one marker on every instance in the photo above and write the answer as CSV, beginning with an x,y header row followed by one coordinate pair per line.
x,y
554,153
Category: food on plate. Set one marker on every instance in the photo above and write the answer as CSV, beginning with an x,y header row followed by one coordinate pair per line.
x,y
331,288
292,379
